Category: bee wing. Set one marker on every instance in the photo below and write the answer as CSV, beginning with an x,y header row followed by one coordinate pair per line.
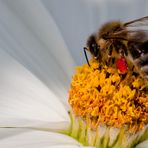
x,y
136,35
136,30
131,35
137,22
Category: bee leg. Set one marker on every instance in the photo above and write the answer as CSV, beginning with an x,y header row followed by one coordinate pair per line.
x,y
142,62
123,76
145,89
111,61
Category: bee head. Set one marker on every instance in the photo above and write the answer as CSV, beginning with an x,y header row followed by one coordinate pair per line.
x,y
93,47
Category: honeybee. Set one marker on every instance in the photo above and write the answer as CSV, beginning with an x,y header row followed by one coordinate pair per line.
x,y
122,44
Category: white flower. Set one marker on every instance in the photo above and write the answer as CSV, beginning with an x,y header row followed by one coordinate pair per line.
x,y
35,72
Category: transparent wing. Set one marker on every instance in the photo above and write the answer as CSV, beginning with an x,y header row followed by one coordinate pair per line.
x,y
136,31
137,22
136,36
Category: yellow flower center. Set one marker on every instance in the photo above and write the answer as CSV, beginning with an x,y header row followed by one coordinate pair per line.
x,y
103,96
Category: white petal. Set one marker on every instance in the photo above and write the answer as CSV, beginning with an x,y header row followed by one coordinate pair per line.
x,y
64,146
69,146
33,139
143,144
30,35
24,99
74,22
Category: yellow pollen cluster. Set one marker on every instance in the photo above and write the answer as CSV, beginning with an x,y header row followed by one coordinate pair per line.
x,y
103,96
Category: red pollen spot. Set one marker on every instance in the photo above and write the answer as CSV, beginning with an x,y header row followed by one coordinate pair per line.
x,y
122,65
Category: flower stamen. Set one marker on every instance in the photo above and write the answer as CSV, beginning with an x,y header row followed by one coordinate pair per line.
x,y
102,97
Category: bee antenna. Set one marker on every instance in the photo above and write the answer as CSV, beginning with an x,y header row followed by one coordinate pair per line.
x,y
86,56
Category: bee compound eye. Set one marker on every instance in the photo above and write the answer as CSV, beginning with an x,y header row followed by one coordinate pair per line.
x,y
93,45
98,46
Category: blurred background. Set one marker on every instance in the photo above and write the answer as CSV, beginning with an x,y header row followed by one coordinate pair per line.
x,y
47,36
77,19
